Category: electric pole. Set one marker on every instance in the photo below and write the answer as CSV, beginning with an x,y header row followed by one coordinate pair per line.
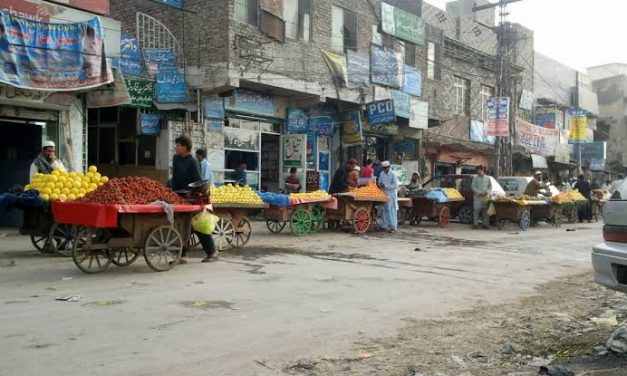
x,y
503,160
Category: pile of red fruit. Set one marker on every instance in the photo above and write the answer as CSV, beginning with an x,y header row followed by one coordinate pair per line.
x,y
132,191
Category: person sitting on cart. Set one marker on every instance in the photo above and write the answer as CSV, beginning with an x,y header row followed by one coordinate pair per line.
x,y
339,183
292,182
46,161
535,186
186,170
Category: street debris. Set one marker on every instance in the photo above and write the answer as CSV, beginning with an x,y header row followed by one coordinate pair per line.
x,y
555,371
617,343
71,299
8,264
67,278
510,347
607,322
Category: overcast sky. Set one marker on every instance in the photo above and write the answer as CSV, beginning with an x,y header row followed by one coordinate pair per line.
x,y
578,33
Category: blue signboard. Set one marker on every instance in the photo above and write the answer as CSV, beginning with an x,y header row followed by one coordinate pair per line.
x,y
385,66
324,181
296,120
251,103
412,81
160,60
358,67
323,161
172,3
149,124
546,117
52,56
213,107
322,119
381,112
171,88
130,62
405,145
402,103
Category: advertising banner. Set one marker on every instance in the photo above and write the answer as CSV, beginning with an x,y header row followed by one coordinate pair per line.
x,y
498,117
251,103
578,126
478,133
213,107
171,88
351,128
358,66
130,61
412,80
296,120
52,56
381,112
149,124
546,117
538,140
141,92
419,114
402,103
386,66
337,67
403,25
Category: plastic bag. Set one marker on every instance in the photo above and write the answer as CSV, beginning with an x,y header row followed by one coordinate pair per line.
x,y
204,222
491,210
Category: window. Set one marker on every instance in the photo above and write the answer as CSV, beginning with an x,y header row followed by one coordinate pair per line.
x,y
343,30
297,15
246,11
410,54
486,92
433,57
462,96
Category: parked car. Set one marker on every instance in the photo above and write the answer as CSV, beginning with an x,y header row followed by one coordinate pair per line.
x,y
463,183
609,259
515,185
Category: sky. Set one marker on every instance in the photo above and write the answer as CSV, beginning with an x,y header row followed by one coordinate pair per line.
x,y
577,33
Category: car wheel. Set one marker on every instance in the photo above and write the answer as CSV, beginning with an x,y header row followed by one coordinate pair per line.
x,y
465,214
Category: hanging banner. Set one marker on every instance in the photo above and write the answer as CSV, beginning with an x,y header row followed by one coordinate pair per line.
x,y
351,128
386,66
419,114
160,60
403,25
130,61
172,3
358,67
337,67
546,117
141,92
541,141
52,56
213,107
112,95
578,126
412,80
381,112
296,120
478,133
498,117
250,103
171,88
149,124
402,103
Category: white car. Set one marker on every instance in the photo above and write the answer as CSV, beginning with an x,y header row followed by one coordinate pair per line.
x,y
609,259
515,185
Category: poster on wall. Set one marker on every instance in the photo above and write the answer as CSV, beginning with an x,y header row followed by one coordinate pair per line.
x,y
498,117
578,126
311,150
324,181
293,150
351,128
541,141
478,133
323,161
149,124
53,56
358,66
412,80
386,66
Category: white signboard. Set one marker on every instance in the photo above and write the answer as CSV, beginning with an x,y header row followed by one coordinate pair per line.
x,y
419,114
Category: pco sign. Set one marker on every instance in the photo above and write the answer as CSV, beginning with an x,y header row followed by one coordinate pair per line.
x,y
381,112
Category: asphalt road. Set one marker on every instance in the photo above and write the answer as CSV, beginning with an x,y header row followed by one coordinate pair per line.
x,y
279,299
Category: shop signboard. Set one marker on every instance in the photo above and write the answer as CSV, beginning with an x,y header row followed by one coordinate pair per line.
x,y
381,112
171,88
312,180
149,124
386,66
294,150
402,103
53,56
578,125
403,25
171,3
15,96
130,61
321,125
141,92
250,103
538,140
498,117
358,67
419,114
546,117
159,60
478,133
387,129
405,145
213,107
241,139
352,128
296,120
412,80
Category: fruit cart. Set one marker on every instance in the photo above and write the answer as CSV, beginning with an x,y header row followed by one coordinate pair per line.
x,y
303,215
354,211
436,211
46,235
233,229
543,211
515,211
405,210
118,233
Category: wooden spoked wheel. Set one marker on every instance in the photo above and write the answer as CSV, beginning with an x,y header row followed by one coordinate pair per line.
x,y
300,223
84,253
163,248
274,226
444,217
361,220
124,256
223,234
242,233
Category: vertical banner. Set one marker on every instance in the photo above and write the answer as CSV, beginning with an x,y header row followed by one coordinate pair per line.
x,y
498,117
412,81
130,61
386,67
358,66
337,67
578,125
546,117
351,128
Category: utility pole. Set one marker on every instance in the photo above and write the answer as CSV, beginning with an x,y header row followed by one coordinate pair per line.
x,y
503,160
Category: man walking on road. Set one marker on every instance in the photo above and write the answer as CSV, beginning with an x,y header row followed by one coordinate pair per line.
x,y
481,187
388,182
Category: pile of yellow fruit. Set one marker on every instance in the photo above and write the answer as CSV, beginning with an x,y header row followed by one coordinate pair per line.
x,y
63,185
318,195
576,196
452,194
234,194
369,192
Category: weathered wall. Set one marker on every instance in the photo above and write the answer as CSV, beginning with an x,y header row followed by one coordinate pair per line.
x,y
612,94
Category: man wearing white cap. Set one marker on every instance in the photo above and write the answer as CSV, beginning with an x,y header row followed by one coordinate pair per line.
x,y
535,186
46,161
388,182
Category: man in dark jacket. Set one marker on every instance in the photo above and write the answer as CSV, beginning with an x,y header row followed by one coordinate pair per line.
x,y
339,183
585,211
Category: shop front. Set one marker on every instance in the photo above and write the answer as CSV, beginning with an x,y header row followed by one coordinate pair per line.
x,y
449,159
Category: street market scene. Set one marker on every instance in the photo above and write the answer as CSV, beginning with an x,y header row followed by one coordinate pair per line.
x,y
312,187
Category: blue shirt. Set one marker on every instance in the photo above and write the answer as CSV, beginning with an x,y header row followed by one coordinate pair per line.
x,y
205,171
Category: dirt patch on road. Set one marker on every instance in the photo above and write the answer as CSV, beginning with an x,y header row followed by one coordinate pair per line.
x,y
560,325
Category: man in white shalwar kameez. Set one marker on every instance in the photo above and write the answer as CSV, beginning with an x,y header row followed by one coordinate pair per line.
x,y
388,182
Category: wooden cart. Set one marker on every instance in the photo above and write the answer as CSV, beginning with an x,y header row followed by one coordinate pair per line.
x,y
304,216
234,228
550,212
514,212
46,235
436,211
119,233
352,212
405,210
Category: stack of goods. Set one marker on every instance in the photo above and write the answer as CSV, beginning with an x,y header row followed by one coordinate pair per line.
x,y
562,198
276,199
437,195
576,196
452,194
520,199
132,191
234,194
369,192
319,195
62,185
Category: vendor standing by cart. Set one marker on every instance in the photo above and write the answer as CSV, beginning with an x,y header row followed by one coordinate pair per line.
x,y
186,170
339,183
388,182
481,187
46,161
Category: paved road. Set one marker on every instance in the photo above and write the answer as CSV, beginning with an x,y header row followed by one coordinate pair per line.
x,y
280,299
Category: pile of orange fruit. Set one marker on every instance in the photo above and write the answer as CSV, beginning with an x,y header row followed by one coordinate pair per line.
x,y
369,192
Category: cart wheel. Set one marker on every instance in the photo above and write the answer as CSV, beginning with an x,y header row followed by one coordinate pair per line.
x,y
557,218
124,256
88,260
465,214
361,221
417,219
193,240
301,222
500,223
62,238
223,234
317,218
162,248
40,243
525,220
275,226
444,217
242,233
